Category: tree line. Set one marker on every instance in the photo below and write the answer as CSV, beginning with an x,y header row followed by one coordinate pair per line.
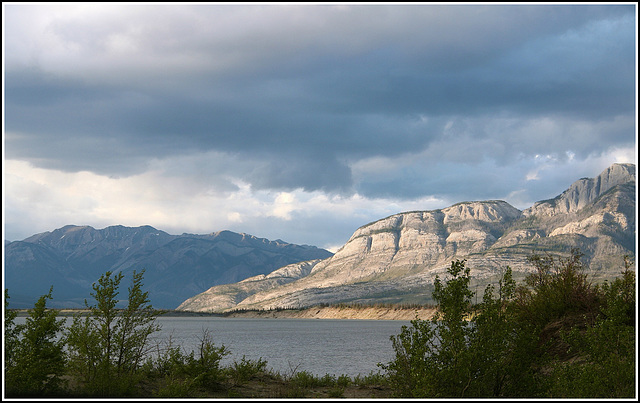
x,y
556,335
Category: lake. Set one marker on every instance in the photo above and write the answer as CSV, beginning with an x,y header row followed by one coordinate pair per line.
x,y
319,346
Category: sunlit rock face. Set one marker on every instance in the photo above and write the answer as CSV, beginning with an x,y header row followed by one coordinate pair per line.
x,y
229,295
584,192
408,242
397,258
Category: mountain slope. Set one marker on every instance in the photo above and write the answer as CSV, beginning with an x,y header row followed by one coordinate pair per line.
x,y
396,258
176,266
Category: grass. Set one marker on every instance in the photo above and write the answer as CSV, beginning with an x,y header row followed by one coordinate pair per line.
x,y
251,379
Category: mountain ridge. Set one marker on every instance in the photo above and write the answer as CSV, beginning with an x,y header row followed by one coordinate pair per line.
x,y
392,259
72,258
401,254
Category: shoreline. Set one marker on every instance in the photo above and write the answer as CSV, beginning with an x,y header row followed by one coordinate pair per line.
x,y
72,312
318,312
340,312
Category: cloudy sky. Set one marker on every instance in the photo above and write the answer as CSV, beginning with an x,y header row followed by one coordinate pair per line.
x,y
304,122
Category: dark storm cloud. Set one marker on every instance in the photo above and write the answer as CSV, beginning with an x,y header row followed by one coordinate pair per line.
x,y
301,94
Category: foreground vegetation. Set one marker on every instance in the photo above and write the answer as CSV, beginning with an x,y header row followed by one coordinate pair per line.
x,y
556,335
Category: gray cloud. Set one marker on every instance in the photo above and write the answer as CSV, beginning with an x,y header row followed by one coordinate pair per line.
x,y
283,97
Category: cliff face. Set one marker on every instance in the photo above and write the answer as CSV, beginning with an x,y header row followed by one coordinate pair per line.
x,y
230,295
406,243
584,192
399,256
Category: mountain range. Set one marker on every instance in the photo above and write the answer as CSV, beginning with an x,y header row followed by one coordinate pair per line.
x,y
396,259
176,267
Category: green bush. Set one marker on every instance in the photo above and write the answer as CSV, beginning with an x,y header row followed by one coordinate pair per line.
x,y
36,361
343,381
556,289
108,347
556,336
204,368
433,357
11,334
178,388
336,391
605,363
376,378
170,361
245,370
306,379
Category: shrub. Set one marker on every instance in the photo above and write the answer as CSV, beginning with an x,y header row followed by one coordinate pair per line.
x,y
556,289
343,381
179,388
432,357
605,366
306,379
204,369
11,333
36,360
108,347
245,370
373,378
504,346
500,346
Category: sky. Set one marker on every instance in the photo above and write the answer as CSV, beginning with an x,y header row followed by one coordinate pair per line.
x,y
303,122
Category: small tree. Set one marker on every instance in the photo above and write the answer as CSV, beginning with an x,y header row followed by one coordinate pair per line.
x,y
186,374
558,337
606,367
432,357
136,324
11,332
464,350
558,288
108,346
37,361
500,346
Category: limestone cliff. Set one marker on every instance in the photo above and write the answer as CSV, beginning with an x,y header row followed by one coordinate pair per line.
x,y
229,295
584,191
397,258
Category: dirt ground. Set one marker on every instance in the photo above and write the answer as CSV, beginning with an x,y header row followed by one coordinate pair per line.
x,y
267,386
275,389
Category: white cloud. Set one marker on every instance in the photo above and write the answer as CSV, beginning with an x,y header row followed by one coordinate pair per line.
x,y
234,216
38,200
283,205
394,108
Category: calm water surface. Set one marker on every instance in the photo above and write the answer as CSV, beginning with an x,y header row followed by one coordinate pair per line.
x,y
320,346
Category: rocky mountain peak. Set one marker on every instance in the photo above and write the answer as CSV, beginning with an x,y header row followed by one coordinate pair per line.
x,y
396,258
584,191
489,211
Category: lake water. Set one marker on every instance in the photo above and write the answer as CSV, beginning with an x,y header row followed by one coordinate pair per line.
x,y
319,346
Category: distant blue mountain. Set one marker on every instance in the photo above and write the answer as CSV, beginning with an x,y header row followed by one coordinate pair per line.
x,y
176,267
